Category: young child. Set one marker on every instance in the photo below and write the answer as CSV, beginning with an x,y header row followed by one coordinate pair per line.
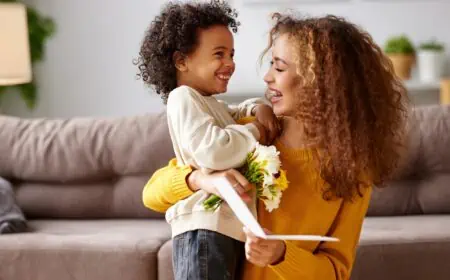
x,y
187,56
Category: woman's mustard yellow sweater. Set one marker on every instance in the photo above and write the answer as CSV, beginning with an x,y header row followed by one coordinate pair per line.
x,y
302,211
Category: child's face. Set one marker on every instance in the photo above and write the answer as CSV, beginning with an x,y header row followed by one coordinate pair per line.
x,y
211,65
282,79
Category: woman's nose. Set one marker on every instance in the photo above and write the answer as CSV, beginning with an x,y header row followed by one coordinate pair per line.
x,y
268,78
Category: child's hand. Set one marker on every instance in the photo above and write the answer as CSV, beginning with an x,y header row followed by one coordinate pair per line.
x,y
265,116
263,139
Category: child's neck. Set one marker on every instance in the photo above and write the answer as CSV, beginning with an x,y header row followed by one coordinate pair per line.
x,y
293,134
183,83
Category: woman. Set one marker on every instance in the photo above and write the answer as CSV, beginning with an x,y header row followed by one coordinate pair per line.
x,y
342,116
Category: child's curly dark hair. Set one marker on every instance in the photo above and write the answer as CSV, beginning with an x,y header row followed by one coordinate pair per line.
x,y
175,29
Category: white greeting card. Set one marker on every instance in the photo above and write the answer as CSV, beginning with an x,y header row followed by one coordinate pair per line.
x,y
242,212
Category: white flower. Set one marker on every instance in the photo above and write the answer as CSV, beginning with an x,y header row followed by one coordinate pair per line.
x,y
271,196
268,156
268,180
274,202
262,168
266,192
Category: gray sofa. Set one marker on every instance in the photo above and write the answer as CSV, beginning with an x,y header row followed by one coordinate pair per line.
x,y
79,181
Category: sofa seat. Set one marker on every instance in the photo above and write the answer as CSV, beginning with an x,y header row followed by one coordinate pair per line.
x,y
84,249
404,247
390,248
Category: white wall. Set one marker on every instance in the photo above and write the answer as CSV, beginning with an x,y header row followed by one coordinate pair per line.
x,y
88,70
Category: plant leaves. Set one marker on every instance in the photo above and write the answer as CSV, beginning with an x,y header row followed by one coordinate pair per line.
x,y
29,94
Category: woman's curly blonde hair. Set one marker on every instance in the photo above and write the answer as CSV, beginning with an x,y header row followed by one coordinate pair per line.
x,y
349,100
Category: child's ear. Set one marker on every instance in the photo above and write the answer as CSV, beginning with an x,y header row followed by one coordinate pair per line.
x,y
180,61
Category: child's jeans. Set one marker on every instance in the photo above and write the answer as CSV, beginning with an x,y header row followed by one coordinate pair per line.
x,y
207,255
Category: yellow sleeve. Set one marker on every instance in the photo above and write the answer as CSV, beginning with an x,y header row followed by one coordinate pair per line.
x,y
332,260
166,187
245,120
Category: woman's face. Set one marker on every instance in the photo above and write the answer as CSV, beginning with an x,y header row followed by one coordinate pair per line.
x,y
282,79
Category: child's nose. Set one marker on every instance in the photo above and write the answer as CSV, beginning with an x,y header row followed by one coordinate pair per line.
x,y
229,62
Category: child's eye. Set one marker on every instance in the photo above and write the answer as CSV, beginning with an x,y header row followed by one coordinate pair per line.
x,y
219,54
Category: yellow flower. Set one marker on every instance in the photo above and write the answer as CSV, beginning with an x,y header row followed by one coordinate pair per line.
x,y
282,181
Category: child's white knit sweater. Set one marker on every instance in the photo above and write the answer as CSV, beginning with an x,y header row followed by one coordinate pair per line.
x,y
205,136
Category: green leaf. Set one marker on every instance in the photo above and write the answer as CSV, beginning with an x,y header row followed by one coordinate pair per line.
x,y
432,45
399,45
212,202
29,94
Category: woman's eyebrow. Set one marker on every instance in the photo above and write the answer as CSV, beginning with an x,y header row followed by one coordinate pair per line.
x,y
280,60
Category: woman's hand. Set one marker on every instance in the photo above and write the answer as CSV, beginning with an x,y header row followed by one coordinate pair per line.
x,y
262,252
198,180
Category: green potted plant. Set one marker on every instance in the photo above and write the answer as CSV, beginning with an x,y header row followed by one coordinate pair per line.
x,y
430,60
402,54
40,29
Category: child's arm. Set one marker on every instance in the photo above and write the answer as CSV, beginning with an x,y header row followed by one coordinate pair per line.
x,y
244,109
263,112
211,146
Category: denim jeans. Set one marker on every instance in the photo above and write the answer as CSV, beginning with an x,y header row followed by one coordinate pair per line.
x,y
207,255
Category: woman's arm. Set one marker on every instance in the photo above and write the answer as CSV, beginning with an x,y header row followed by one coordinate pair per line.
x,y
332,260
166,187
173,183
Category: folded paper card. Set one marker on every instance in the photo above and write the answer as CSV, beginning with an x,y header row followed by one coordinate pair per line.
x,y
242,212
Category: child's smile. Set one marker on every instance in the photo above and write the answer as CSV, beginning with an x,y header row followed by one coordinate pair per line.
x,y
210,66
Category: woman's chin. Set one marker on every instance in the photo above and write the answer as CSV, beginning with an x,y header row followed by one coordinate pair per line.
x,y
278,109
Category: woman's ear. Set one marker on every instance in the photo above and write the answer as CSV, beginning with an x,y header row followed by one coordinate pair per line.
x,y
180,61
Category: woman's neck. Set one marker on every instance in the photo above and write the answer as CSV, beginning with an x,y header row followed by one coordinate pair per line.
x,y
293,134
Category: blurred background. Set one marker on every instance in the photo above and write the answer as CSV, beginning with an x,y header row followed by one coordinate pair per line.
x,y
87,68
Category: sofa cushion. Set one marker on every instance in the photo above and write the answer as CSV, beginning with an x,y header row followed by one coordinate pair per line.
x,y
83,149
165,265
405,229
404,248
411,197
83,167
119,197
88,250
422,182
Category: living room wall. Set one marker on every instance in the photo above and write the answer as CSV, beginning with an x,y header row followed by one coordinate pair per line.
x,y
88,69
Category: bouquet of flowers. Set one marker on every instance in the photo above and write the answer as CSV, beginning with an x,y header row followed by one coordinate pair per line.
x,y
262,169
